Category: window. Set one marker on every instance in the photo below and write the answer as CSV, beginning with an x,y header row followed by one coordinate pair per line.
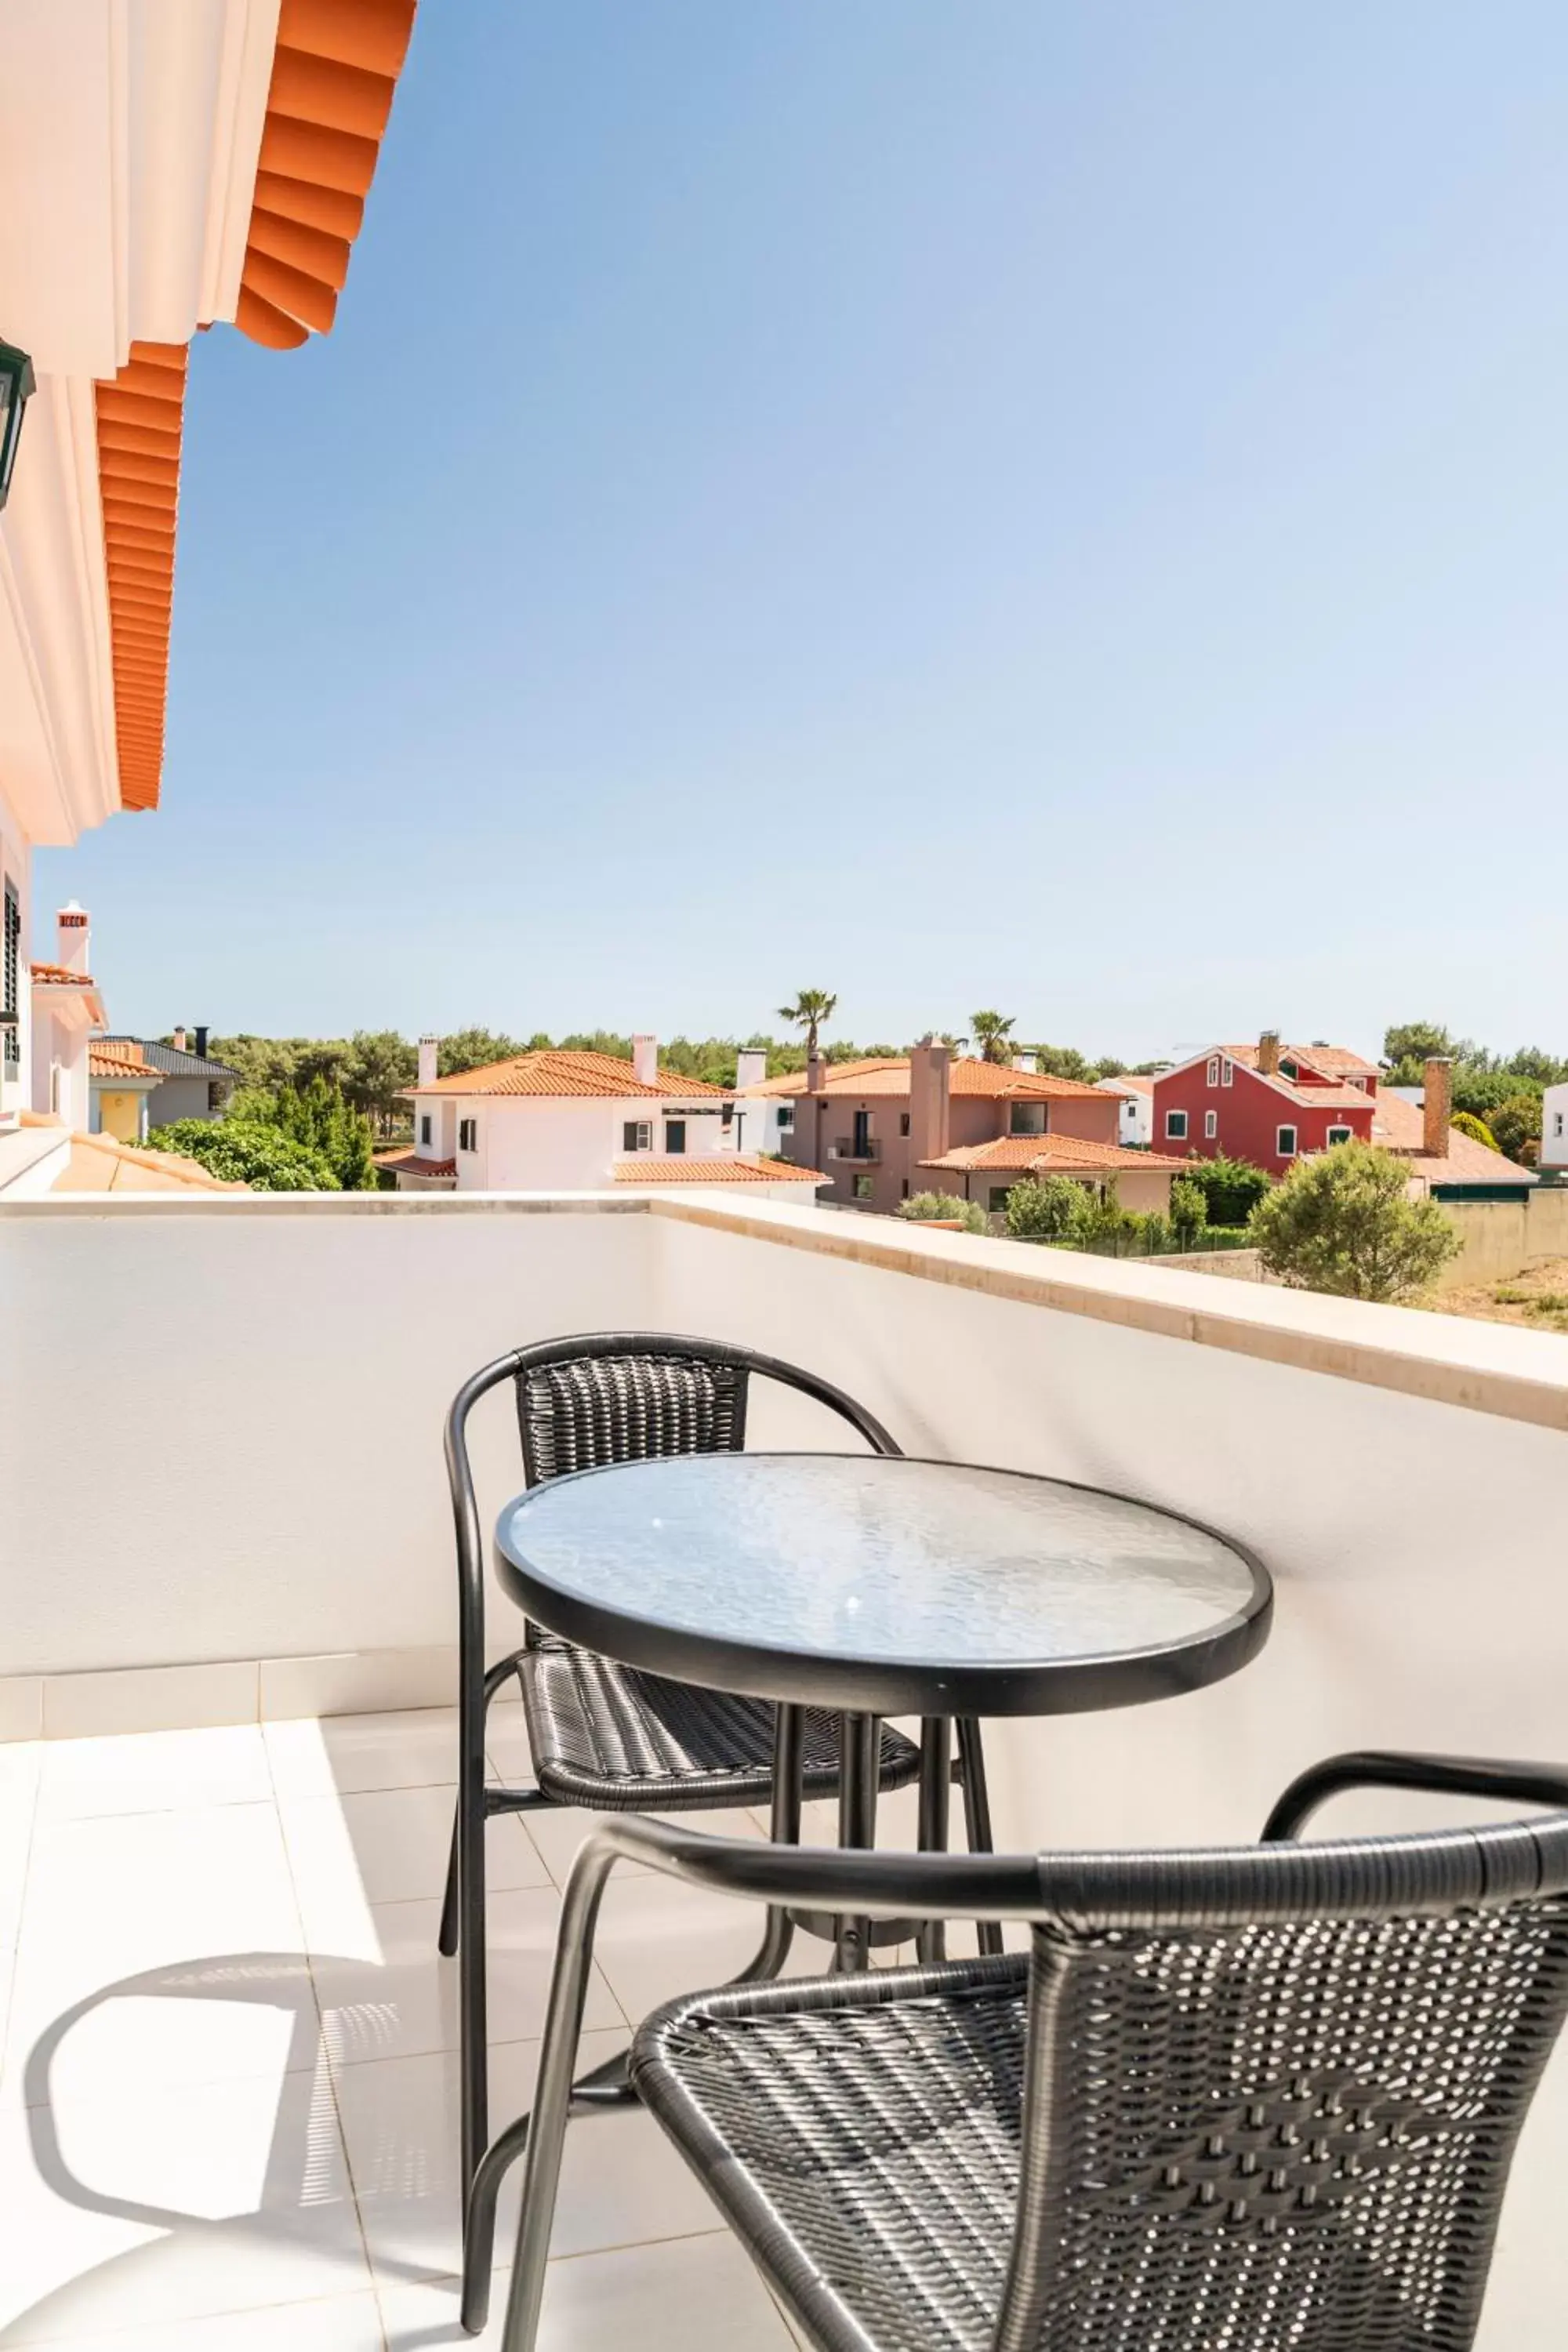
x,y
904,1189
467,1135
675,1135
1285,1143
1289,1070
860,1142
1556,1122
998,1198
1338,1135
636,1135
1026,1118
1214,1070
863,1187
1226,1072
903,1122
787,1116
727,1116
1176,1125
425,1127
10,1001
1211,1125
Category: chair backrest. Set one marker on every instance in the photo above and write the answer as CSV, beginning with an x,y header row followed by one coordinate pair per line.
x,y
1273,2095
615,1396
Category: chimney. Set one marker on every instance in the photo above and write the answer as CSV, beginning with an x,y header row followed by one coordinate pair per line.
x,y
1268,1053
73,929
645,1061
1436,1107
929,1076
179,1041
816,1073
1027,1064
201,1045
429,1051
750,1066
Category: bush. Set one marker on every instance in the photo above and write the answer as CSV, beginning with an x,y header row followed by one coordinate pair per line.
x,y
1342,1222
1189,1208
1045,1208
922,1208
247,1152
1516,1123
1231,1187
1466,1123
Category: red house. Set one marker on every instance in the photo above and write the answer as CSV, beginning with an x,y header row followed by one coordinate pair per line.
x,y
1267,1103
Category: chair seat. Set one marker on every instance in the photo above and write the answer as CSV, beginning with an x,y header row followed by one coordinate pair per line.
x,y
862,2134
607,1736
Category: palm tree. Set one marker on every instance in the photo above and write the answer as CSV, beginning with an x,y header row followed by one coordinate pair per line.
x,y
991,1032
812,1010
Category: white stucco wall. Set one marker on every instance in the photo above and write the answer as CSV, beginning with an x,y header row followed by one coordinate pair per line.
x,y
15,867
1555,1127
555,1143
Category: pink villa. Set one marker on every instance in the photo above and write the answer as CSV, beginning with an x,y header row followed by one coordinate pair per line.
x,y
924,1122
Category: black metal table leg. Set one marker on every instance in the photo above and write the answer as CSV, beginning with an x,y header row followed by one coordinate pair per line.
x,y
936,1789
859,1745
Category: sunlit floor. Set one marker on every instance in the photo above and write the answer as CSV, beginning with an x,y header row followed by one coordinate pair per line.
x,y
228,2092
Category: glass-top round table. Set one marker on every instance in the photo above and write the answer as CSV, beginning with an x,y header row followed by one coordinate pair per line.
x,y
879,1585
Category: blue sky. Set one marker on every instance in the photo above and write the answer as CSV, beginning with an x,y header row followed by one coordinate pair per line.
x,y
1053,506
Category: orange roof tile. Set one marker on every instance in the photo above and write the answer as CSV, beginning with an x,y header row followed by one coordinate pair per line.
x,y
57,975
99,1164
550,1070
411,1164
1050,1154
713,1168
1401,1127
881,1077
115,1058
334,70
1334,1061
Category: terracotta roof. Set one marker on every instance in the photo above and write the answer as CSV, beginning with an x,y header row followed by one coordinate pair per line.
x,y
56,975
334,70
117,1059
882,1077
1334,1061
549,1070
99,1164
1307,1098
410,1164
713,1168
1050,1155
1400,1127
1129,1082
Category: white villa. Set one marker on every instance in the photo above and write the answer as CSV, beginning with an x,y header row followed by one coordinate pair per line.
x,y
552,1120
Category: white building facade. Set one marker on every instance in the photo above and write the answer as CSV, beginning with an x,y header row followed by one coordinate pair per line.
x,y
1555,1127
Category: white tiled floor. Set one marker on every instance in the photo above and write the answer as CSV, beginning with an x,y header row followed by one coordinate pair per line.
x,y
227,2087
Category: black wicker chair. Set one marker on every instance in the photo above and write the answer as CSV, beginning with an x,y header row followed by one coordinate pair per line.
x,y
1253,2100
601,1734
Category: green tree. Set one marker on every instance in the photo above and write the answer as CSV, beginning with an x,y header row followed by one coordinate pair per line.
x,y
923,1207
1045,1208
1189,1210
267,1063
247,1152
1232,1188
474,1049
1063,1062
1107,1066
379,1065
1342,1222
991,1032
1516,1123
1476,1129
811,1011
1541,1069
1414,1041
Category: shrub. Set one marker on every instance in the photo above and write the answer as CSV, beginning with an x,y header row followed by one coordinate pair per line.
x,y
922,1208
1189,1207
1466,1123
1045,1208
1231,1187
1509,1293
1341,1221
247,1152
1549,1302
1517,1124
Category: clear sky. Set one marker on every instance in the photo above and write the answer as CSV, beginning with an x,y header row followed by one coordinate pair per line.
x,y
1054,506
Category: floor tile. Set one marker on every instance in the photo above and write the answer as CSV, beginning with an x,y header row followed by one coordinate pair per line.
x,y
18,1801
122,2211
344,2323
657,1939
685,2295
154,1907
152,1771
384,1846
618,2184
558,1830
397,1998
344,1754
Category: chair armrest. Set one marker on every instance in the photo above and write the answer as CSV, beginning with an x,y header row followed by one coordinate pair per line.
x,y
831,1878
1457,1775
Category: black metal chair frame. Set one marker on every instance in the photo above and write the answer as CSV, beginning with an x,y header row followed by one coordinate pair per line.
x,y
462,1929
1069,1900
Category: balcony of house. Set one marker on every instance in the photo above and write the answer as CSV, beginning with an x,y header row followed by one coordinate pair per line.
x,y
227,2087
865,1150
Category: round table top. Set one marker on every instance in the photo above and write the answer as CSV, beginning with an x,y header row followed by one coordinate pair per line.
x,y
881,1585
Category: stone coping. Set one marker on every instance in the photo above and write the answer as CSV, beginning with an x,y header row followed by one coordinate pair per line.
x,y
1446,1360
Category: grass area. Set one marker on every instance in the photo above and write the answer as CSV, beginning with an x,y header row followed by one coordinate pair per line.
x,y
1537,1299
